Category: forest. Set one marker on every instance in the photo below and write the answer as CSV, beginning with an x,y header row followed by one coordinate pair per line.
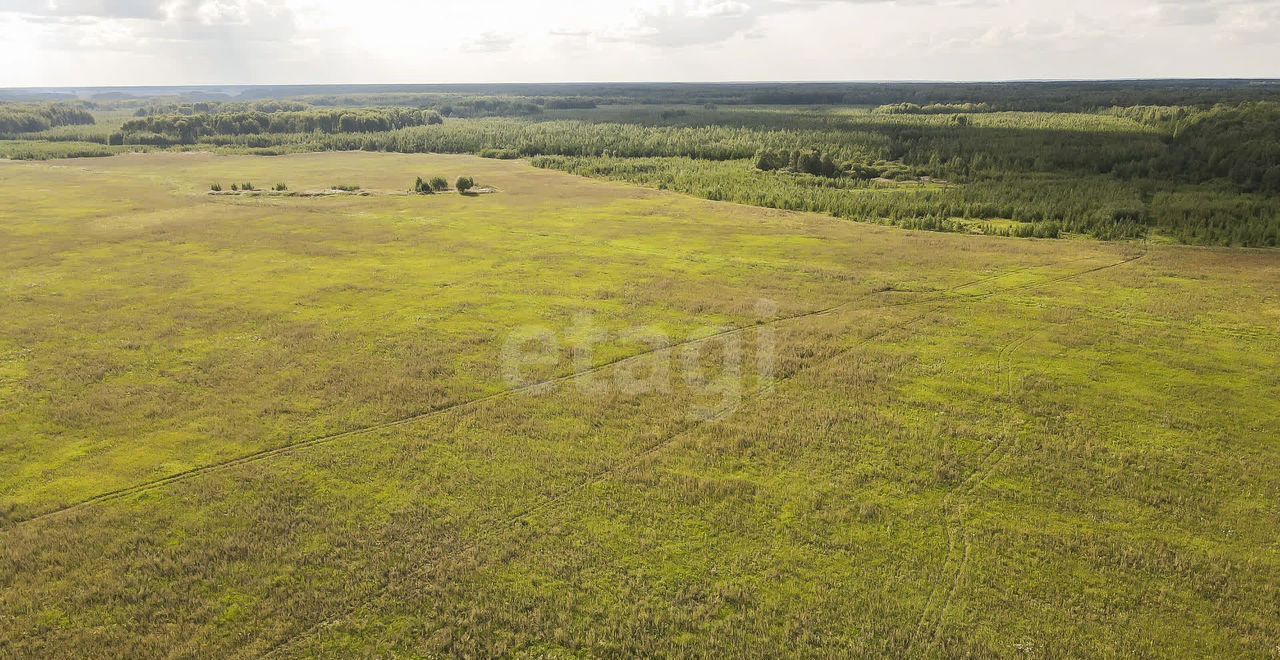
x,y
33,118
187,129
1194,162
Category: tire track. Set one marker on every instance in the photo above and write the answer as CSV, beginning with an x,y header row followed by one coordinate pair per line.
x,y
545,506
555,500
670,440
443,410
956,503
1039,285
955,536
273,452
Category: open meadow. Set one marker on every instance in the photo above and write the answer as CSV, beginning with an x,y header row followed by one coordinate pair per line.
x,y
577,417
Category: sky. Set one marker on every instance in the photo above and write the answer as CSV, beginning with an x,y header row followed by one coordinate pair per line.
x,y
46,43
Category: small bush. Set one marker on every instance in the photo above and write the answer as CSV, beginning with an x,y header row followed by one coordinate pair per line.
x,y
438,183
235,187
464,184
500,154
345,187
422,187
280,187
217,187
247,186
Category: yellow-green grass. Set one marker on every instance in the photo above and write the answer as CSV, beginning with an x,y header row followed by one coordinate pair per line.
x,y
986,446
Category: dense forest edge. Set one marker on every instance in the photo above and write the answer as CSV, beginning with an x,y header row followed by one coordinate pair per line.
x,y
1195,162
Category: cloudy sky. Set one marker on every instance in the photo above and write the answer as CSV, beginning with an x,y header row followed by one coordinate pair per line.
x,y
137,42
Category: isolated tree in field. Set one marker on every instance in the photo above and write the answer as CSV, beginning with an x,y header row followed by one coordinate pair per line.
x,y
439,183
464,184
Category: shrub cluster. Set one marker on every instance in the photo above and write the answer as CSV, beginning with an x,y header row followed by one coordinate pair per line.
x,y
439,184
17,118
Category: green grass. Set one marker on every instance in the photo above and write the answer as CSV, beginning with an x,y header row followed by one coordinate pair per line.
x,y
48,150
987,446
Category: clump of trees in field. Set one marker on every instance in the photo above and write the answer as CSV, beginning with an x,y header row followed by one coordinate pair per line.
x,y
430,186
806,161
247,187
818,163
17,118
499,154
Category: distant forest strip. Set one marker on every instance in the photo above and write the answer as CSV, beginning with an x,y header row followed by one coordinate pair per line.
x,y
187,129
1056,96
1173,165
1046,205
1240,144
36,117
1024,143
1068,96
445,105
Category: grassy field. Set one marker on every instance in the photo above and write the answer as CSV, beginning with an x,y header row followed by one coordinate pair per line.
x,y
291,426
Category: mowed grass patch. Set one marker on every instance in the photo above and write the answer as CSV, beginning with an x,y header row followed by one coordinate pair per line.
x,y
984,447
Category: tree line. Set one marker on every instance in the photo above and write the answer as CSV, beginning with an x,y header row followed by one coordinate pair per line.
x,y
1239,144
17,118
934,108
1044,205
1027,167
188,129
1118,172
208,107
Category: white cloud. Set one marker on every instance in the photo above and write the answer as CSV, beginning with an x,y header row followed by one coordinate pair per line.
x,y
490,42
76,42
98,8
729,8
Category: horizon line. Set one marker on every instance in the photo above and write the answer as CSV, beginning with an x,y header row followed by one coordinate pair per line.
x,y
900,81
